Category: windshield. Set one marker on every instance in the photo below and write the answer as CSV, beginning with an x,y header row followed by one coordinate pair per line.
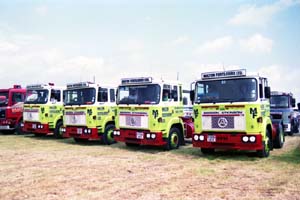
x,y
231,90
279,101
83,96
37,96
3,98
139,94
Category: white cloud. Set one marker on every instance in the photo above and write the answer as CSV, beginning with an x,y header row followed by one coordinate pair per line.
x,y
281,80
216,45
8,47
180,40
41,10
256,44
260,16
132,45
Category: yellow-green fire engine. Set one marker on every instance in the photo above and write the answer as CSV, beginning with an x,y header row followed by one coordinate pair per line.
x,y
151,113
43,109
89,112
232,111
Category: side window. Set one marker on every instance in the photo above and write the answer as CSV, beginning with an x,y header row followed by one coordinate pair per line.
x,y
55,95
112,95
18,97
102,95
175,93
166,93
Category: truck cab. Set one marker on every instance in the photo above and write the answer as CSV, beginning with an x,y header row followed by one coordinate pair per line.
x,y
43,109
89,112
282,107
232,111
11,109
151,112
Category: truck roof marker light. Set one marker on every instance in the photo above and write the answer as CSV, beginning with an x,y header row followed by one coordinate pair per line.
x,y
223,74
17,86
136,80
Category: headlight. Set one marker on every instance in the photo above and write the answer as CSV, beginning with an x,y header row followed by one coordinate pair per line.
x,y
153,136
42,126
89,130
252,139
201,137
148,135
245,138
196,137
85,131
117,133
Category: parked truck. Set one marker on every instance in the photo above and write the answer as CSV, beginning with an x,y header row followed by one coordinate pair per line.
x,y
232,111
151,112
282,107
89,112
43,109
11,109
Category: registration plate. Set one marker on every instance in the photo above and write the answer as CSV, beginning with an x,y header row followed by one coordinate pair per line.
x,y
34,126
211,138
139,135
79,131
4,127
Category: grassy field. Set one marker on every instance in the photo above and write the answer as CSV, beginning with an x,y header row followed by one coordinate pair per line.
x,y
44,168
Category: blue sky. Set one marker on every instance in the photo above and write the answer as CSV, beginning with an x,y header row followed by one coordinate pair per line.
x,y
71,41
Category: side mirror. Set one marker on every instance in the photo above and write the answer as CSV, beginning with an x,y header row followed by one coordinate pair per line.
x,y
268,92
3,98
298,104
192,96
293,102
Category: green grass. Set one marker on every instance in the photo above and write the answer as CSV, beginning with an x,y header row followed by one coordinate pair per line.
x,y
291,157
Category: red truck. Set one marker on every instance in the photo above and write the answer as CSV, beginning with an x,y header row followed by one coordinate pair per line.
x,y
11,109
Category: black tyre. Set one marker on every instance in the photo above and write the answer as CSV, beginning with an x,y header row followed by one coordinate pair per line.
x,y
279,140
173,139
108,136
57,131
265,152
291,133
207,151
19,130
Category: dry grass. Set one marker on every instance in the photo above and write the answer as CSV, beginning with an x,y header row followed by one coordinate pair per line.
x,y
45,168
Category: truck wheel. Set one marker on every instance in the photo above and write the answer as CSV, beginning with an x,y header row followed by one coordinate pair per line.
x,y
279,140
291,133
108,137
57,131
173,139
265,152
207,151
19,130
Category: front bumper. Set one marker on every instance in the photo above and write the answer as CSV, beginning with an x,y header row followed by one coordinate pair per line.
x,y
7,124
36,127
81,132
228,141
141,137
